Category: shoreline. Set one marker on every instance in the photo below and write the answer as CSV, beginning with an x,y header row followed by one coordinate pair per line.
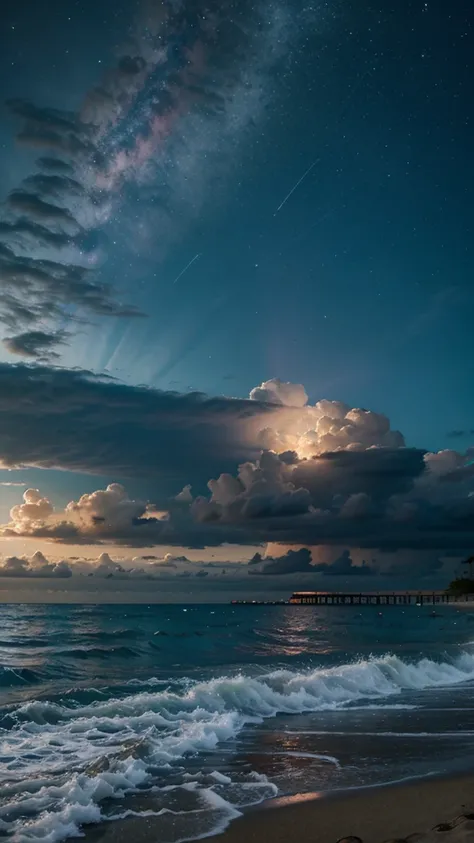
x,y
395,812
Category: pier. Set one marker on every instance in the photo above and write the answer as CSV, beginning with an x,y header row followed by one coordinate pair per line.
x,y
376,598
365,598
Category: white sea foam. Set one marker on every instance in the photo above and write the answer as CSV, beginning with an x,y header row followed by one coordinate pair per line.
x,y
211,818
61,762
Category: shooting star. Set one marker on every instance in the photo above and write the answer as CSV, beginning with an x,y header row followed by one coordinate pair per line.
x,y
186,268
280,206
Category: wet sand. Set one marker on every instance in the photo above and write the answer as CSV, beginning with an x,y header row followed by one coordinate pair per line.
x,y
427,811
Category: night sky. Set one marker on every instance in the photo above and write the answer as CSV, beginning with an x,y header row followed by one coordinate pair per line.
x,y
230,193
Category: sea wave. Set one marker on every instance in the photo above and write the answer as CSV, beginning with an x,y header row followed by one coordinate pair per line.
x,y
85,652
13,677
63,761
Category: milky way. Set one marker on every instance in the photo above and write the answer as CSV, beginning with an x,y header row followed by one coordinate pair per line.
x,y
190,81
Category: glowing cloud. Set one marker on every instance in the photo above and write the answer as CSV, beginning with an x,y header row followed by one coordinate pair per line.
x,y
311,430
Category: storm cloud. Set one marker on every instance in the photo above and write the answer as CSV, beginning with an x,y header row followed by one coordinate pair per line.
x,y
292,562
363,494
343,566
150,433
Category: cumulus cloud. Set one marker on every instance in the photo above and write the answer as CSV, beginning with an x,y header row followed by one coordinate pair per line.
x,y
347,480
34,566
336,474
35,509
300,562
358,505
104,514
425,515
344,565
260,490
276,391
292,562
38,565
350,486
104,567
293,566
309,430
185,495
109,508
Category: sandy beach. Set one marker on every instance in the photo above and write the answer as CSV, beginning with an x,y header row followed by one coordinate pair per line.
x,y
232,749
418,811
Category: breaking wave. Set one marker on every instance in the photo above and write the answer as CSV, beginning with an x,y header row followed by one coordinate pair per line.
x,y
64,763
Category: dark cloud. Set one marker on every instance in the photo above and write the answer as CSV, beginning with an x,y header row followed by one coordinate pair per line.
x,y
344,566
150,433
43,240
293,562
39,290
59,120
37,209
52,128
461,474
376,498
35,343
384,533
55,165
345,487
131,65
26,234
418,566
377,472
434,529
460,434
66,143
15,313
56,186
373,497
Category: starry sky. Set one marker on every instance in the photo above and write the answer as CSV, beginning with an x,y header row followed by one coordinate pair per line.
x,y
227,194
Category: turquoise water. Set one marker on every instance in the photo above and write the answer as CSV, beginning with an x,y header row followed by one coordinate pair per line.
x,y
192,713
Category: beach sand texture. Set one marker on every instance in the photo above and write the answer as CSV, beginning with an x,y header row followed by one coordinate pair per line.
x,y
427,811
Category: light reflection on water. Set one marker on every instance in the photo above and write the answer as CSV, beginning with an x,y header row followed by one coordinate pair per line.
x,y
320,665
61,644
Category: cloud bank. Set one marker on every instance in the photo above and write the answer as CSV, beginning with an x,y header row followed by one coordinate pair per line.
x,y
37,566
150,433
288,571
348,479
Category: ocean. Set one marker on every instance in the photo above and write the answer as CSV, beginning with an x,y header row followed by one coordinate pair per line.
x,y
190,714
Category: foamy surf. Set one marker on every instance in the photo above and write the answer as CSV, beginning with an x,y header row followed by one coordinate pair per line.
x,y
67,765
